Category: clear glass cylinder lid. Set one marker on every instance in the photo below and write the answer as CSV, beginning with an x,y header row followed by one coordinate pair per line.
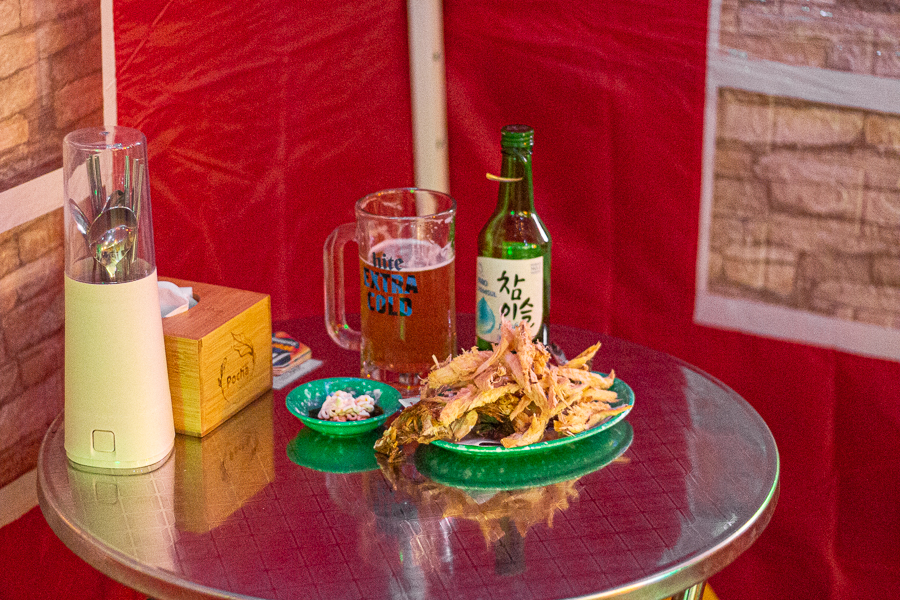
x,y
108,221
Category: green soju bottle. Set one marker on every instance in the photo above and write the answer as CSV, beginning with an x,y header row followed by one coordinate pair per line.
x,y
513,269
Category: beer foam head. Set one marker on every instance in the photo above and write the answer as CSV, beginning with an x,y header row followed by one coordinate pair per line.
x,y
416,254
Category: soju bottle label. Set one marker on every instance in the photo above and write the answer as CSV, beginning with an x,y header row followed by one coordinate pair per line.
x,y
509,288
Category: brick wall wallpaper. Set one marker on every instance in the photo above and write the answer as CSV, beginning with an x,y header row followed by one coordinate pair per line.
x,y
856,36
50,82
31,339
802,174
806,207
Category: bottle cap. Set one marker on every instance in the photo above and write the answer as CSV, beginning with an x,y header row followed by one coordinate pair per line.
x,y
517,136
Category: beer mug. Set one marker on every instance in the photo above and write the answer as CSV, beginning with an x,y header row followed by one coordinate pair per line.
x,y
406,273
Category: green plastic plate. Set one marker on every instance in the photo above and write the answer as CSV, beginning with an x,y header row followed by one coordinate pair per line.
x,y
486,448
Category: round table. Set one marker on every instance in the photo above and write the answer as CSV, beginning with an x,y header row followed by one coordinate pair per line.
x,y
262,508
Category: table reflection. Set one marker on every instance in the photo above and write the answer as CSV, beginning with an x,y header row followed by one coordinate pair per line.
x,y
129,513
201,485
329,454
415,505
216,474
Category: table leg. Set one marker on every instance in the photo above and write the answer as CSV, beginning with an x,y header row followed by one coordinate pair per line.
x,y
692,593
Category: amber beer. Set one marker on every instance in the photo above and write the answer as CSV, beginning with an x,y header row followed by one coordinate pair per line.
x,y
406,273
408,310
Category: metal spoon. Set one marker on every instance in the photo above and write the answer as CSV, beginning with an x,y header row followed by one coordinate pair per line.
x,y
481,443
111,237
81,221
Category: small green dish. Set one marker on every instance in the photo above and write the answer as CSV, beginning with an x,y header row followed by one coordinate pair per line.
x,y
310,396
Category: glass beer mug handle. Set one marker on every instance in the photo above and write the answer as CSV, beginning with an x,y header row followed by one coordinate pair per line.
x,y
335,313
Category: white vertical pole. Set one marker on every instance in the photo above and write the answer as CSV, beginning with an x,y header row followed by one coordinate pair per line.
x,y
429,94
108,60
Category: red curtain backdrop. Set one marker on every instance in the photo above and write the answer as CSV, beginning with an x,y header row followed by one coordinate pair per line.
x,y
267,120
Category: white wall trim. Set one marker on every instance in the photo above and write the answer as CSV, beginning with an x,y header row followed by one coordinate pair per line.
x,y
18,497
30,200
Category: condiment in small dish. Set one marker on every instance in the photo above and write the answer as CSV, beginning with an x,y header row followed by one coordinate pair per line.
x,y
306,402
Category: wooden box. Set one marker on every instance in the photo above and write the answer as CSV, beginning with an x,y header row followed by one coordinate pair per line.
x,y
219,355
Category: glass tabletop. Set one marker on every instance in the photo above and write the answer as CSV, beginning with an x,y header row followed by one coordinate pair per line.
x,y
262,507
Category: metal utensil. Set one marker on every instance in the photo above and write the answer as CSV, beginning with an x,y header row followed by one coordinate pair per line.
x,y
137,185
137,188
557,353
111,237
480,442
117,198
126,182
95,178
82,224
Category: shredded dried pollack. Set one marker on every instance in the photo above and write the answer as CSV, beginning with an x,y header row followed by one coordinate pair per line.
x,y
513,390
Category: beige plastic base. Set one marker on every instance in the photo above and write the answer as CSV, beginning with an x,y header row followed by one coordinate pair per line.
x,y
118,408
121,470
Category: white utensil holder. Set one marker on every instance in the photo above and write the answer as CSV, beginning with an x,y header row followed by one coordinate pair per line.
x,y
118,406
